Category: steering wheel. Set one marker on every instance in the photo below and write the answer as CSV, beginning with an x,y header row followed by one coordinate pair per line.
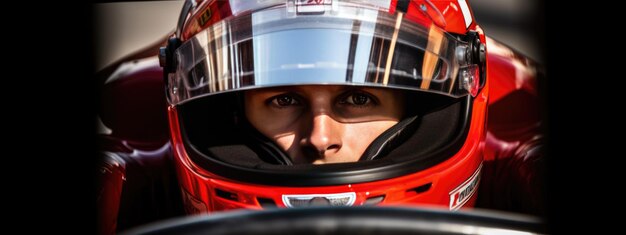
x,y
348,220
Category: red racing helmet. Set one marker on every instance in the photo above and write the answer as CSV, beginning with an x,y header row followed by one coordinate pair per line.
x,y
432,51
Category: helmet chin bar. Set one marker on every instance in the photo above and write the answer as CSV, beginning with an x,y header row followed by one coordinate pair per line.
x,y
225,149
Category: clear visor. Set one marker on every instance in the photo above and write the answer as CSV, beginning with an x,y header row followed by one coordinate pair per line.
x,y
345,45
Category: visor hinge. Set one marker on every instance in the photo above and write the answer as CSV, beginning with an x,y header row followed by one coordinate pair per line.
x,y
166,57
478,56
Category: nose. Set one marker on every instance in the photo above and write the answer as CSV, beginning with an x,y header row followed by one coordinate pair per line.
x,y
324,137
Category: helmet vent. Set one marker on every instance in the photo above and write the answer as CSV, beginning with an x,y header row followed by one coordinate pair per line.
x,y
226,195
374,200
421,189
266,202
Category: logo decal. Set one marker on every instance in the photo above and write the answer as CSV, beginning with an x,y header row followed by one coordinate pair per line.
x,y
461,194
305,200
312,6
314,2
205,17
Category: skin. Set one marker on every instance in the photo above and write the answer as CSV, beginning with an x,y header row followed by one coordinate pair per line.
x,y
323,124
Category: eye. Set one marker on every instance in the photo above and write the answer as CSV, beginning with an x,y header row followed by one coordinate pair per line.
x,y
284,100
357,99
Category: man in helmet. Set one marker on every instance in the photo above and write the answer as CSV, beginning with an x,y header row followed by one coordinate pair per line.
x,y
294,103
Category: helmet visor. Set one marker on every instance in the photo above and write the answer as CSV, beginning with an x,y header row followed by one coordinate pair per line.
x,y
344,46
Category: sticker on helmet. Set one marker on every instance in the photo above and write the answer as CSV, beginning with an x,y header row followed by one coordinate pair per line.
x,y
305,200
205,17
312,6
461,194
313,2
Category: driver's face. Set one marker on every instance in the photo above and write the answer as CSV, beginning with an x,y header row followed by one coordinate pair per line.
x,y
323,124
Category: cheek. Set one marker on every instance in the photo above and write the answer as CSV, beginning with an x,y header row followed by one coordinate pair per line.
x,y
279,127
359,136
270,122
286,142
275,127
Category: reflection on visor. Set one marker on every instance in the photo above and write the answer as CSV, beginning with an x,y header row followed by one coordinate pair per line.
x,y
353,46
